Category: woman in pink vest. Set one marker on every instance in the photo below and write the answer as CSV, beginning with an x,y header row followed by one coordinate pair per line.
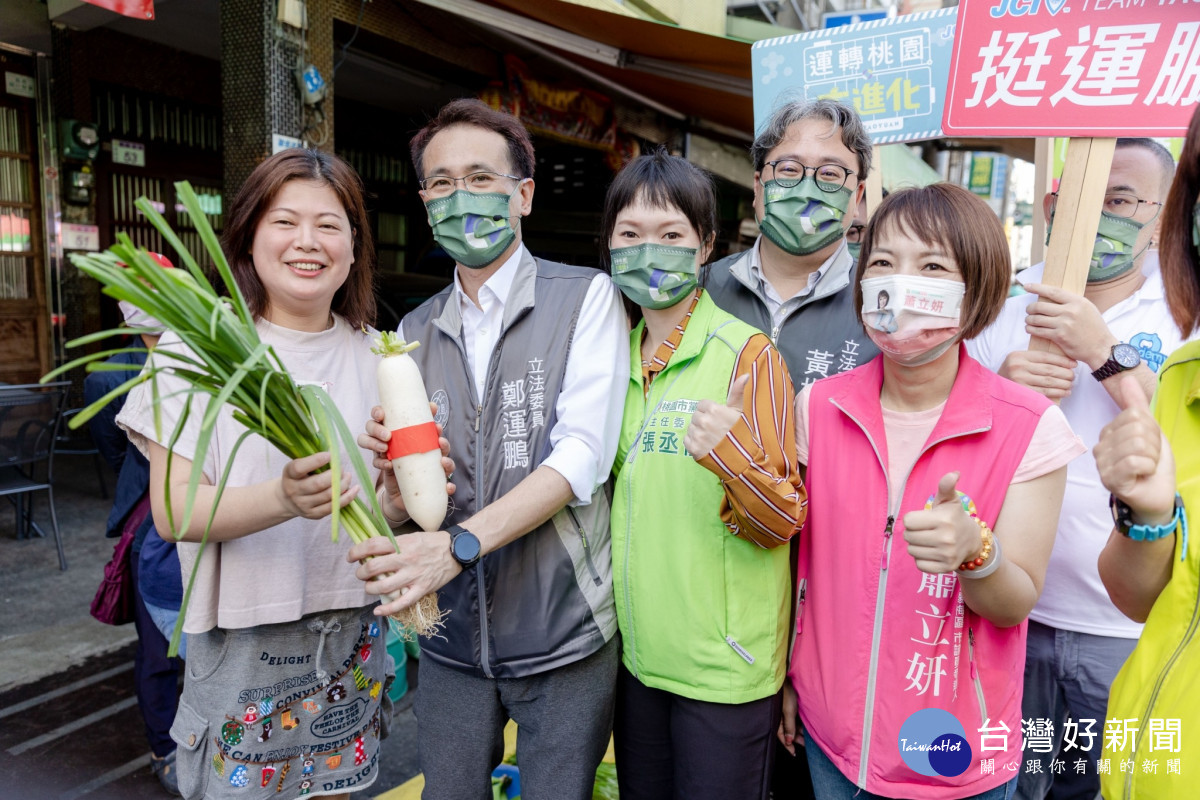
x,y
935,488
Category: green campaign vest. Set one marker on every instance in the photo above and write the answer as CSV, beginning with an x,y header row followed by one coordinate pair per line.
x,y
702,613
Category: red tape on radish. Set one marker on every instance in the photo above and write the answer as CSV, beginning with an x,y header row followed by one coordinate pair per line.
x,y
413,439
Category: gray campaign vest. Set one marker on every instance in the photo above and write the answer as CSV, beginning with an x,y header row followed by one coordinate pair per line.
x,y
546,599
822,336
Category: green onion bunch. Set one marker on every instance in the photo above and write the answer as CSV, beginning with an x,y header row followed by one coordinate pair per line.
x,y
228,362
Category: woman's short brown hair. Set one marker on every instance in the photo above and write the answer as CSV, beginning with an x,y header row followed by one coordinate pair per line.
x,y
1180,261
355,300
952,217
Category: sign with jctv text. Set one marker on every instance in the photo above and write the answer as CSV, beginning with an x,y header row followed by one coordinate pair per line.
x,y
1074,68
893,71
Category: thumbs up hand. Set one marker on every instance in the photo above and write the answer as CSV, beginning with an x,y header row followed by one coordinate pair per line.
x,y
1134,459
943,537
711,421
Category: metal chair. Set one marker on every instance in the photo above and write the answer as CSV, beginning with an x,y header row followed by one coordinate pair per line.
x,y
30,418
79,443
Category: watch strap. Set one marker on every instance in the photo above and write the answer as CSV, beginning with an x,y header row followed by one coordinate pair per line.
x,y
1123,519
1110,367
455,531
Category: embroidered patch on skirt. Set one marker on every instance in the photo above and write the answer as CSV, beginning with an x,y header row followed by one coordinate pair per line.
x,y
286,710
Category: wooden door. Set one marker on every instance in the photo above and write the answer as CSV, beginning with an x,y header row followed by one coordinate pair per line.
x,y
25,345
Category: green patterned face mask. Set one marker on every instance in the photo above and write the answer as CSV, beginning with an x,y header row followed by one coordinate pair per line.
x,y
854,248
472,228
654,275
802,219
1112,252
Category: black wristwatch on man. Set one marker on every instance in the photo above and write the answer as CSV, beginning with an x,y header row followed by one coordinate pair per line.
x,y
1123,357
464,546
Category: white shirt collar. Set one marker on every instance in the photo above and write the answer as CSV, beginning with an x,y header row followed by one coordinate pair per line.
x,y
498,285
756,272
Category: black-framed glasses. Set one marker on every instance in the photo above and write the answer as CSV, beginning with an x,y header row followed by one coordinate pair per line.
x,y
1119,204
854,233
829,177
477,182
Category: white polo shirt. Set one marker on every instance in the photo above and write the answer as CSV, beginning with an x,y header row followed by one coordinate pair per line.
x,y
1073,597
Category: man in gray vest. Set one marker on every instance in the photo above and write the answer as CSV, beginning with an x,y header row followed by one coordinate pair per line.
x,y
527,361
810,167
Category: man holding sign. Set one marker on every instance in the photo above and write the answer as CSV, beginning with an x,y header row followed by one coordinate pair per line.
x,y
1120,327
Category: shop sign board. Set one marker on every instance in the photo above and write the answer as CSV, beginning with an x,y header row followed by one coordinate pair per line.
x,y
20,85
980,181
1099,68
893,71
279,143
131,154
80,237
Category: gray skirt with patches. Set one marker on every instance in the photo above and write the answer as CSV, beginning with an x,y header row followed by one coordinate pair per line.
x,y
287,710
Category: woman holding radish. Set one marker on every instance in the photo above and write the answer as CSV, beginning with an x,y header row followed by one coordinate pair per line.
x,y
706,492
287,674
935,488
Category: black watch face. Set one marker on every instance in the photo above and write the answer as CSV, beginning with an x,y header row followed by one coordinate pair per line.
x,y
466,547
1127,356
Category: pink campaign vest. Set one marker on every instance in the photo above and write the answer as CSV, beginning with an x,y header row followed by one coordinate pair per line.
x,y
876,633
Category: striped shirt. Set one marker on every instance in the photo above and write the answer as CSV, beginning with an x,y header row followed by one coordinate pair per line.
x,y
765,501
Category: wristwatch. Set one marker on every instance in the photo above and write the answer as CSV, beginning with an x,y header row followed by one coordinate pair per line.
x,y
1123,520
1123,357
464,546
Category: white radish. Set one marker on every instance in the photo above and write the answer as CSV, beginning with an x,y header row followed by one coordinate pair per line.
x,y
413,449
416,461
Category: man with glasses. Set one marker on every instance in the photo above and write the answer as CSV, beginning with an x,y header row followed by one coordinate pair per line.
x,y
810,168
1119,327
527,361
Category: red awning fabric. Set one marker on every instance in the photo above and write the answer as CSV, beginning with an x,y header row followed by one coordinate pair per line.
x,y
138,9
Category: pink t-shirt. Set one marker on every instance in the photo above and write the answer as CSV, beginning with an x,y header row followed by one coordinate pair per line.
x,y
1053,445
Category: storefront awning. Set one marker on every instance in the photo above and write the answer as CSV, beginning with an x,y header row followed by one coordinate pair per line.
x,y
901,167
681,72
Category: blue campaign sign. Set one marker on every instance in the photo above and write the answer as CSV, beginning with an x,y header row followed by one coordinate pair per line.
x,y
834,19
893,71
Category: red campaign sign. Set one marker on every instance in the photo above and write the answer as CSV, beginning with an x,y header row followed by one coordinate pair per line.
x,y
138,9
1074,68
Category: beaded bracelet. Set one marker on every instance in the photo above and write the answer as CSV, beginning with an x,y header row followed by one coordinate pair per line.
x,y
989,552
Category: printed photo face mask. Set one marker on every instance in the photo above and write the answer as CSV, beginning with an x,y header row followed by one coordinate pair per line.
x,y
912,319
654,275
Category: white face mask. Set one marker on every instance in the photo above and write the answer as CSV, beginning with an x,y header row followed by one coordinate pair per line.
x,y
138,320
913,320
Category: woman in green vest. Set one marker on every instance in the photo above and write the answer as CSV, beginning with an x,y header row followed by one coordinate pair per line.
x,y
1149,458
707,491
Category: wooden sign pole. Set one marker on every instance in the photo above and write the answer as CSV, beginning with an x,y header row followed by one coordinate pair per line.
x,y
875,181
1080,200
1043,182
